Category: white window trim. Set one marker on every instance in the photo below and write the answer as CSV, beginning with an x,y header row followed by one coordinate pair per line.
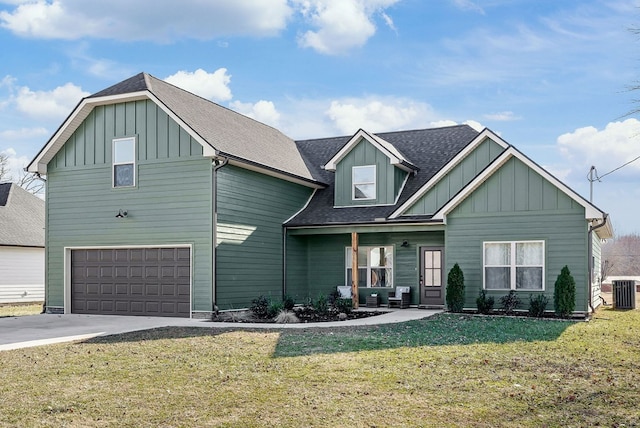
x,y
347,255
114,163
512,265
374,182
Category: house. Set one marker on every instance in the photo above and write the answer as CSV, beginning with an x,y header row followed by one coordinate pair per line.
x,y
160,202
21,245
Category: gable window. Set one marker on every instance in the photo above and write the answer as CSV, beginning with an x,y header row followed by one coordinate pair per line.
x,y
364,182
515,265
124,165
375,266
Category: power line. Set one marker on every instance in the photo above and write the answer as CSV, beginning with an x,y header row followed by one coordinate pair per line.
x,y
614,170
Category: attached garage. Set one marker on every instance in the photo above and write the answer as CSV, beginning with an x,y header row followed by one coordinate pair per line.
x,y
131,281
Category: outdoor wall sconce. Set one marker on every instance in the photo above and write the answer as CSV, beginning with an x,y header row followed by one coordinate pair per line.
x,y
122,214
405,244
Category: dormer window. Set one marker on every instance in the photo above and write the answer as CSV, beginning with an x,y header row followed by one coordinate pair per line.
x,y
364,182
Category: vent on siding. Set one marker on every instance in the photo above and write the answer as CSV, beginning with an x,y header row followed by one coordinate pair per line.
x,y
624,294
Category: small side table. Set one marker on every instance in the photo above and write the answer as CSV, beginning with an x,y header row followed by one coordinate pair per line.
x,y
373,301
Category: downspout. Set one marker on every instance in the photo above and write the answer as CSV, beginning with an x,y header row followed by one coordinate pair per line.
x,y
284,262
590,255
217,164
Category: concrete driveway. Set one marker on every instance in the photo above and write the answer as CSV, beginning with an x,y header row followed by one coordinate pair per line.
x,y
43,329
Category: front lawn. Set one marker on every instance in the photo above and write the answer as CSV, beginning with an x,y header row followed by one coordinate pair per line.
x,y
17,310
449,370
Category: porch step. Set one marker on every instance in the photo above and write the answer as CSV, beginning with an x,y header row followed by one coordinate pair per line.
x,y
430,306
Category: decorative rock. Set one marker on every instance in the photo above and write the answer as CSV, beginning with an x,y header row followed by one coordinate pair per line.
x,y
342,316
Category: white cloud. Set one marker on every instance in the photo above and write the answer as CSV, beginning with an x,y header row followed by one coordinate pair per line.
x,y
503,116
262,111
15,164
213,86
341,25
144,20
468,5
379,114
606,149
22,134
55,104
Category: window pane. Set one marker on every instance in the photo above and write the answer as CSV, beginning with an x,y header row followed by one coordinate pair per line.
x,y
497,254
123,150
362,277
364,174
379,257
388,257
529,254
362,256
381,277
497,278
364,191
529,278
123,175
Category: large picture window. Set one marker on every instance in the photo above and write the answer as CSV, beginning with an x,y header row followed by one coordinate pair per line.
x,y
515,265
124,162
375,266
364,182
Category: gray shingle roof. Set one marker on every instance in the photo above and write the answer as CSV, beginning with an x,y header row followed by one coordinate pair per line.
x,y
21,217
227,131
429,149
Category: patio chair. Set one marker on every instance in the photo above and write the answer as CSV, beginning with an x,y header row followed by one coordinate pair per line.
x,y
400,298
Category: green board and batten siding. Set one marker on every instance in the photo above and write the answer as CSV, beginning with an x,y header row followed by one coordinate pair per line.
x,y
249,236
389,179
459,176
516,204
170,204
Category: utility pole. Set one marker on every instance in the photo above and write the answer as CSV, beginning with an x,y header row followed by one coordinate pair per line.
x,y
592,177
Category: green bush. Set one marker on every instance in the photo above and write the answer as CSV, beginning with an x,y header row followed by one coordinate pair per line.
x,y
288,303
455,289
321,305
343,305
274,309
510,302
484,303
260,307
564,294
537,305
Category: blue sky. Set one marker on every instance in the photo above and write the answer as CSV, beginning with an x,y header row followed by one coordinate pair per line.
x,y
550,77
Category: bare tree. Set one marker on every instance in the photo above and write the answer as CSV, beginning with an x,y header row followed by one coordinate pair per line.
x,y
29,181
621,256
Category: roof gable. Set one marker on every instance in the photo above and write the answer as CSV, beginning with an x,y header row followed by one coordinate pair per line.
x,y
389,150
221,132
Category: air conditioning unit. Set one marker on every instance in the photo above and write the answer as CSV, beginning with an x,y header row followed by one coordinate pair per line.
x,y
624,294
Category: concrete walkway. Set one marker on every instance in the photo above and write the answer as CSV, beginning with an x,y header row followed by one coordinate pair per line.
x,y
44,329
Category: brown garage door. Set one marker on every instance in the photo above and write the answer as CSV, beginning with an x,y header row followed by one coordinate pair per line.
x,y
131,281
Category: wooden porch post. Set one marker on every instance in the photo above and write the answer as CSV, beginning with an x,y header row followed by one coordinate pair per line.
x,y
354,269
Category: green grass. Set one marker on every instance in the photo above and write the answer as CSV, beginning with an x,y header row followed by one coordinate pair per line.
x,y
450,370
20,309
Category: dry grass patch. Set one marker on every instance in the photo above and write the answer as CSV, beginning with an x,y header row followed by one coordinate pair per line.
x,y
11,310
585,375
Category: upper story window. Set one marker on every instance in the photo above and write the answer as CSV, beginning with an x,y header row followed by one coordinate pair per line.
x,y
516,265
364,182
124,162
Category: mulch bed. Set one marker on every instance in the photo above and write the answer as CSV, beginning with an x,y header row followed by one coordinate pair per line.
x,y
304,314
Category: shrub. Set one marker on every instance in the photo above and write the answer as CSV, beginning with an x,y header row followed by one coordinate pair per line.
x,y
343,305
537,305
288,303
455,289
260,307
274,309
320,304
509,302
484,303
286,317
564,293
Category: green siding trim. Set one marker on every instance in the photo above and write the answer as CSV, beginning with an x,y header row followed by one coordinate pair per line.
x,y
388,179
249,250
459,176
158,136
171,204
324,262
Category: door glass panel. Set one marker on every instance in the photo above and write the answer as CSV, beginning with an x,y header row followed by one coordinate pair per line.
x,y
437,277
